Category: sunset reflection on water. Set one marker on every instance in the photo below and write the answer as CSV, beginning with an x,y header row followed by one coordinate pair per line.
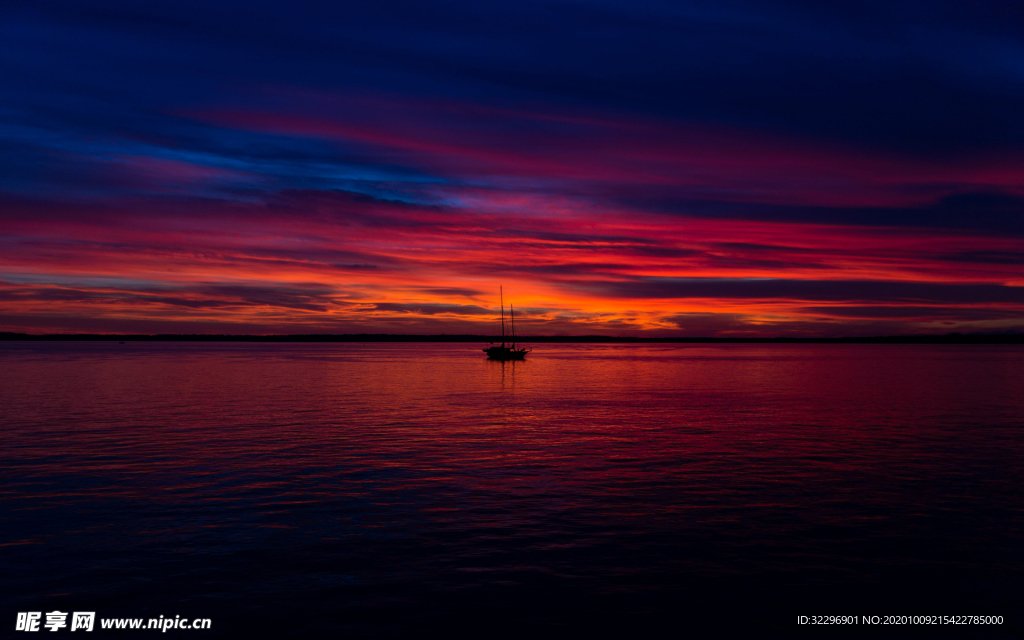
x,y
381,488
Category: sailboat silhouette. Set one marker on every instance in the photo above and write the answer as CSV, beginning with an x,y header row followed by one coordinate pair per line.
x,y
505,352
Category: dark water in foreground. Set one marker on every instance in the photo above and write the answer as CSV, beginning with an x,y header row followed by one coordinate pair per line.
x,y
399,489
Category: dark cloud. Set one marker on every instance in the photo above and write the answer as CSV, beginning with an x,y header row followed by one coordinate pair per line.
x,y
996,212
355,266
659,252
430,309
309,297
634,242
744,262
751,247
985,257
208,296
831,290
453,291
724,325
711,324
569,268
919,313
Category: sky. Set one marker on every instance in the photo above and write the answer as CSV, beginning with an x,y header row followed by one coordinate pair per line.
x,y
732,169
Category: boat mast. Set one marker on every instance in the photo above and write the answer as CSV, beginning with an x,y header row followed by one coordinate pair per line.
x,y
512,312
501,295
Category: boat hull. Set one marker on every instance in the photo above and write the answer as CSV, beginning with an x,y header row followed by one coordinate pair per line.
x,y
505,353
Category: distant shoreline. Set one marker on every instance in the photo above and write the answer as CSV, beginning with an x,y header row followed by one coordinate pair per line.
x,y
952,338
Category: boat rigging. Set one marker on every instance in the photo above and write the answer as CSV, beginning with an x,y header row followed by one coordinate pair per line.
x,y
505,352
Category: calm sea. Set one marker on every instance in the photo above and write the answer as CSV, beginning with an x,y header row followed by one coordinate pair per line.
x,y
348,490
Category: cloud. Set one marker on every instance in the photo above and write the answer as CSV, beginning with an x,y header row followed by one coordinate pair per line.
x,y
917,313
309,297
453,291
797,167
831,290
988,211
431,309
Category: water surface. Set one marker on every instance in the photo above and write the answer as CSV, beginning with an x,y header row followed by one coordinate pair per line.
x,y
389,489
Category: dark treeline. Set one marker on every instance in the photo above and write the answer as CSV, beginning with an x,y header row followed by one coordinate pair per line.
x,y
951,338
